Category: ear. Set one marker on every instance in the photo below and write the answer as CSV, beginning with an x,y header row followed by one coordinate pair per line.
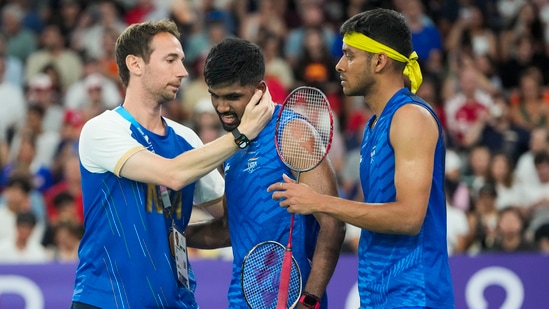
x,y
134,64
262,86
380,60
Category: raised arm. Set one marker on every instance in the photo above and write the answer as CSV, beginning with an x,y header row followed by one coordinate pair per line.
x,y
186,168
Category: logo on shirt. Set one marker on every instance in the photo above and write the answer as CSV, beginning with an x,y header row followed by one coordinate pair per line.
x,y
252,165
372,154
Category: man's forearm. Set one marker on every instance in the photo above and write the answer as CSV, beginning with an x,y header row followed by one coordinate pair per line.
x,y
327,251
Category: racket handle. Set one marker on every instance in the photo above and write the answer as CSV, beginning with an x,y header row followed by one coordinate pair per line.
x,y
284,285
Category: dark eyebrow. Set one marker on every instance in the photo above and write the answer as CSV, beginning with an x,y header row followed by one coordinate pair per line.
x,y
230,95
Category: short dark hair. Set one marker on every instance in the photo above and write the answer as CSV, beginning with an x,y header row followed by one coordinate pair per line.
x,y
541,157
541,232
22,181
26,217
136,39
62,199
385,26
234,60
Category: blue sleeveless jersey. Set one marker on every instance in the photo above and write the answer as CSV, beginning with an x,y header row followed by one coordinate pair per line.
x,y
254,217
124,255
401,270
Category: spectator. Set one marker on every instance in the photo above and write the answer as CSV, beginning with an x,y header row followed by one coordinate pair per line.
x,y
510,236
13,108
76,97
525,22
276,66
496,131
67,236
265,20
530,103
16,200
458,194
315,67
20,42
541,239
311,15
54,51
23,249
12,71
98,17
523,57
195,90
536,197
68,143
25,163
205,121
478,168
467,106
470,35
425,35
71,183
46,141
66,17
525,169
41,92
214,30
501,175
483,220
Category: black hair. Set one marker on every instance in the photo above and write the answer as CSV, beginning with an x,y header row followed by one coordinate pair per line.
x,y
385,26
541,157
234,60
26,218
22,181
542,232
62,199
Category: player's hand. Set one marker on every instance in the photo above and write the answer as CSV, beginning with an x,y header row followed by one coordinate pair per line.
x,y
257,114
296,198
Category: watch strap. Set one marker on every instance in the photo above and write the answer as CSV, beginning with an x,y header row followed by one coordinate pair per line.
x,y
240,139
236,133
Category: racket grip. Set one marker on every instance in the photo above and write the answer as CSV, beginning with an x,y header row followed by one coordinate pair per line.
x,y
284,285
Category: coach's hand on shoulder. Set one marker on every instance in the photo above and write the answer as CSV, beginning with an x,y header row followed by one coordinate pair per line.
x,y
257,114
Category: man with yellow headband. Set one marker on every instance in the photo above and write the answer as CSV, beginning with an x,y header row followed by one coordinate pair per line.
x,y
403,259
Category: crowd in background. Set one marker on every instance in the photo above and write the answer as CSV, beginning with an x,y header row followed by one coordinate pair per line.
x,y
485,65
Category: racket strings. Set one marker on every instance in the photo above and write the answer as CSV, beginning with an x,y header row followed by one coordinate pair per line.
x,y
305,131
261,275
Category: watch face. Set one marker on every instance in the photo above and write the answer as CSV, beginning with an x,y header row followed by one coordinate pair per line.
x,y
242,141
243,144
310,301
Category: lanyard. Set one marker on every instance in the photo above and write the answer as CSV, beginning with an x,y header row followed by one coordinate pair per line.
x,y
163,190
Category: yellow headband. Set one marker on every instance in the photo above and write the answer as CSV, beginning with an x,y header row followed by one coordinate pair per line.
x,y
412,69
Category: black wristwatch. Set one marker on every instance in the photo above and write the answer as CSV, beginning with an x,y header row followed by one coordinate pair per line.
x,y
240,139
309,300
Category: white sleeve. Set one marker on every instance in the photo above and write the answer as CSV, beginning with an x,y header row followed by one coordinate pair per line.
x,y
106,143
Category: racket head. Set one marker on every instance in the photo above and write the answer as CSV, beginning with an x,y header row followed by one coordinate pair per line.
x,y
260,276
304,129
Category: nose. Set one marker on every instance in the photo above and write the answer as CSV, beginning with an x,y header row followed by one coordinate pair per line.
x,y
339,64
182,71
221,106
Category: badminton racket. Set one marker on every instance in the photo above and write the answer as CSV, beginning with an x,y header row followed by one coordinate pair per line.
x,y
303,136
